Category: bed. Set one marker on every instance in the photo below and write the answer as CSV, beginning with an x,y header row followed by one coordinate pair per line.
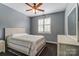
x,y
28,44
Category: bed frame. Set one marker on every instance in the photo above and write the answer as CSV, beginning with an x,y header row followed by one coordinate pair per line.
x,y
17,53
9,31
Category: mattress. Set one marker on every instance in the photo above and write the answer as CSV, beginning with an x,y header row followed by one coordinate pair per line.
x,y
27,44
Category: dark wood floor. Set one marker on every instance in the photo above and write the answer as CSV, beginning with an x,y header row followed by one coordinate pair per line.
x,y
50,50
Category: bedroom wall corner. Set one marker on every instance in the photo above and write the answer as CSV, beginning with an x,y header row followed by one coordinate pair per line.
x,y
57,26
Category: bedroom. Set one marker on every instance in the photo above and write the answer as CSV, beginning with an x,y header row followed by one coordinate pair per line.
x,y
50,26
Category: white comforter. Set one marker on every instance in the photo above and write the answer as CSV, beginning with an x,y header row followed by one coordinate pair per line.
x,y
27,44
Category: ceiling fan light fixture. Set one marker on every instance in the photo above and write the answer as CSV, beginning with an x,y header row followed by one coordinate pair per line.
x,y
33,10
35,7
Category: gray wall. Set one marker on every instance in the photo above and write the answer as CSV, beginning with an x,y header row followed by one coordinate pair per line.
x,y
57,26
11,18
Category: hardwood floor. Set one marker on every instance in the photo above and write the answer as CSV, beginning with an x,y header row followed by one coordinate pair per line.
x,y
50,50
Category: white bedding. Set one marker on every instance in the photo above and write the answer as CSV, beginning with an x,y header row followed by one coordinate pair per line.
x,y
27,44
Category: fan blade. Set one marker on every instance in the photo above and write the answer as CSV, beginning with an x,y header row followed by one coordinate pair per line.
x,y
39,5
40,10
28,9
28,4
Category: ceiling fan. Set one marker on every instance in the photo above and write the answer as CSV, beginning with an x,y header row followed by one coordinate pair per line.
x,y
34,7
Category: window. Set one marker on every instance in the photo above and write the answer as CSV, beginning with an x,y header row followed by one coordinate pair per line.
x,y
44,25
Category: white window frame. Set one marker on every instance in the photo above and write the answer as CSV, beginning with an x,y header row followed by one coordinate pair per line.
x,y
43,25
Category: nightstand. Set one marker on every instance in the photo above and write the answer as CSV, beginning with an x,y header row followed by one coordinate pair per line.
x,y
2,46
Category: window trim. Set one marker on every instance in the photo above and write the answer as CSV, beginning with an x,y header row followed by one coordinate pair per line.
x,y
44,32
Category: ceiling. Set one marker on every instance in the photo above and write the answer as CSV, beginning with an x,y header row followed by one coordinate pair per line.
x,y
48,7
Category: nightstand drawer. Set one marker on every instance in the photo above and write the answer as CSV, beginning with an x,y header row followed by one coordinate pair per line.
x,y
68,50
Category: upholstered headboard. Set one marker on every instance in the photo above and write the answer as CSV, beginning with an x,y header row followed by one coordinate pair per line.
x,y
9,31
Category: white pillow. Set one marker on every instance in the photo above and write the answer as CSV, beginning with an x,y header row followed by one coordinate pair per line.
x,y
19,34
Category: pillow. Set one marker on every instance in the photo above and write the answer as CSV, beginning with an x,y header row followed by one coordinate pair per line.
x,y
19,34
